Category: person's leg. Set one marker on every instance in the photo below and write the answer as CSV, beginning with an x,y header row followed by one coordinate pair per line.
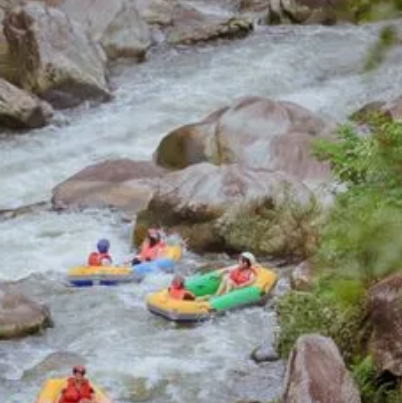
x,y
223,286
230,286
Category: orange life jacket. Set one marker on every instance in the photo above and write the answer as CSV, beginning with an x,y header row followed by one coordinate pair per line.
x,y
180,293
74,393
95,258
240,277
149,252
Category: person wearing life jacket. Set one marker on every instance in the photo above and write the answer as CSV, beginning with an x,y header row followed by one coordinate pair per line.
x,y
177,289
78,388
239,276
101,257
151,248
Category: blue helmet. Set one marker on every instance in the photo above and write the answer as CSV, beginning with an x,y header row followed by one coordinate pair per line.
x,y
103,245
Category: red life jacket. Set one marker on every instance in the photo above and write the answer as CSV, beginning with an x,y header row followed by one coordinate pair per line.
x,y
180,293
95,258
75,393
240,277
149,252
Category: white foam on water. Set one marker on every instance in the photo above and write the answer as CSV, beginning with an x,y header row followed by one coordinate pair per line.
x,y
318,67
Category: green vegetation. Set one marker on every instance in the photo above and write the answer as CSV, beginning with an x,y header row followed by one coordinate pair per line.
x,y
362,235
359,244
372,387
284,227
374,10
386,41
371,10
318,312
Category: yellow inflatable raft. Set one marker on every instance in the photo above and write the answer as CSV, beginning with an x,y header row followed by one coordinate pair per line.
x,y
161,303
84,276
52,388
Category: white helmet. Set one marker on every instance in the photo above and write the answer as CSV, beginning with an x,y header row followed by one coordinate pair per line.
x,y
250,257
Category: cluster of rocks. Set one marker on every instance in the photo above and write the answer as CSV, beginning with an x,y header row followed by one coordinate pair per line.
x,y
236,180
55,53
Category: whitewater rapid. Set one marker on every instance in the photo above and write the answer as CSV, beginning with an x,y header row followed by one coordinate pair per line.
x,y
127,349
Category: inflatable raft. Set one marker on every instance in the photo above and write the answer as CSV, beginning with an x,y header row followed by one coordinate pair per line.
x,y
85,276
52,388
160,303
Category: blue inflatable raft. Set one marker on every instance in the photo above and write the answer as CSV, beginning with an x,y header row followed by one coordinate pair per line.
x,y
86,276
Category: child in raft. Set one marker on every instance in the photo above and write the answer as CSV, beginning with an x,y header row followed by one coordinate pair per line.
x,y
101,257
233,277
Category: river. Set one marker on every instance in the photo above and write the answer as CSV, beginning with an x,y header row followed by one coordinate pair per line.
x,y
132,354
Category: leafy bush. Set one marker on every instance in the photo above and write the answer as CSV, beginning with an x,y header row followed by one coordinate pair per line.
x,y
363,232
369,10
284,227
373,387
303,313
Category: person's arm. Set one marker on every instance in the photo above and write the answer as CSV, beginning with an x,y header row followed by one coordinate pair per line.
x,y
225,270
92,400
60,395
139,256
247,283
106,262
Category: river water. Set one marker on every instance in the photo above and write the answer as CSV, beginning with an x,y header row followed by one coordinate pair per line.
x,y
132,354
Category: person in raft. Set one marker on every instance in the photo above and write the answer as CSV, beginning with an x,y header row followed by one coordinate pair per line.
x,y
177,289
151,248
239,276
78,388
101,257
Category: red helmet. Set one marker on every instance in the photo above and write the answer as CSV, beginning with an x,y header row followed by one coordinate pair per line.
x,y
79,369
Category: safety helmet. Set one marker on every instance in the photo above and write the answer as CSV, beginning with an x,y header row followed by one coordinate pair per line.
x,y
79,369
103,245
249,257
154,234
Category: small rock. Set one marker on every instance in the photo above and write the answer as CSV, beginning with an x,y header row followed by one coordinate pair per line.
x,y
265,353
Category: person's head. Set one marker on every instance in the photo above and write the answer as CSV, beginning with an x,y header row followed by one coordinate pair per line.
x,y
153,236
79,371
247,259
103,246
178,281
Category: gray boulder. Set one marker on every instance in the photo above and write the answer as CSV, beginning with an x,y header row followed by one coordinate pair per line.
x,y
19,316
55,57
316,373
116,25
20,110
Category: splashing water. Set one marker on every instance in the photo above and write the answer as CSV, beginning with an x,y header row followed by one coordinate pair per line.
x,y
132,354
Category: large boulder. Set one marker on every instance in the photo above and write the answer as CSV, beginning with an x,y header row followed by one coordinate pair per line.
x,y
20,110
55,57
385,315
116,25
316,373
156,12
120,184
256,132
208,204
19,316
190,26
305,11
